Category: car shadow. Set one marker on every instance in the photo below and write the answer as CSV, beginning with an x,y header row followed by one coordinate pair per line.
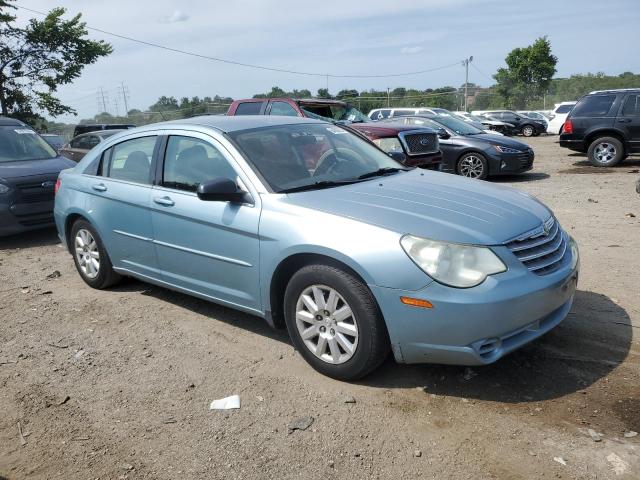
x,y
521,177
212,310
34,238
594,339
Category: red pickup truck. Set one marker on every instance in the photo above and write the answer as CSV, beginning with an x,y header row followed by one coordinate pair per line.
x,y
415,147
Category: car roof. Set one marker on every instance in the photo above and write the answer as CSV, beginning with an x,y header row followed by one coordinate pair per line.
x,y
229,124
616,90
10,122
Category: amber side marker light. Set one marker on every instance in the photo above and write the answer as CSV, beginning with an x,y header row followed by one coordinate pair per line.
x,y
416,302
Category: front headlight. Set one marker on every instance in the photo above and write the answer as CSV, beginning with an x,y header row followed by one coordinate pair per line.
x,y
3,187
389,145
460,266
502,149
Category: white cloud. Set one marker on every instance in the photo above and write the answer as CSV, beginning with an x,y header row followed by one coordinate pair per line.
x,y
410,50
177,16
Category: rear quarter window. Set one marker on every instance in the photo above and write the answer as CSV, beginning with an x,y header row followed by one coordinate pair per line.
x,y
564,108
593,106
249,108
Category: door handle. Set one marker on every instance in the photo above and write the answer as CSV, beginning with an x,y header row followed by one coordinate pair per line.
x,y
100,187
624,120
166,201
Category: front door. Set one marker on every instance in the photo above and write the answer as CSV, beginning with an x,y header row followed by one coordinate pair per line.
x,y
206,247
629,120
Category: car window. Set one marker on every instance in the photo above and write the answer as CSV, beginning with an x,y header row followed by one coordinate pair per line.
x,y
249,108
131,160
631,106
423,122
283,108
593,106
22,143
403,113
191,161
564,108
88,142
76,142
380,114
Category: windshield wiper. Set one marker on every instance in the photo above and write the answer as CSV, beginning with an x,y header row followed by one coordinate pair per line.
x,y
317,186
382,171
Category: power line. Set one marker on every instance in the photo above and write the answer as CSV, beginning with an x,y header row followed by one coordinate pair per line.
x,y
249,65
473,65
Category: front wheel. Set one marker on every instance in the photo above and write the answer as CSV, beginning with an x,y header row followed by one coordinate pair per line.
x,y
605,152
334,322
528,131
473,165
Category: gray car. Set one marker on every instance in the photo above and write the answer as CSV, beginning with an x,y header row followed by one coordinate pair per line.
x,y
77,148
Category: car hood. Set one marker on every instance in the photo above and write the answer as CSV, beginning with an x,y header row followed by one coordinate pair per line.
x,y
27,168
497,140
433,205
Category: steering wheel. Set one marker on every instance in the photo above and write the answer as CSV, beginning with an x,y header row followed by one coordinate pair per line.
x,y
339,160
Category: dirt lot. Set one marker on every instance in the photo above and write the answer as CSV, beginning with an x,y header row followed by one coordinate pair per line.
x,y
116,384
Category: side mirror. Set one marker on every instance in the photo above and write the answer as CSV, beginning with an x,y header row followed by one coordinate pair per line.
x,y
221,190
398,156
443,134
518,119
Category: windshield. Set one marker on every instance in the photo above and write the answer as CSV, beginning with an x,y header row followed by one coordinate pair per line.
x,y
459,126
294,156
333,111
21,143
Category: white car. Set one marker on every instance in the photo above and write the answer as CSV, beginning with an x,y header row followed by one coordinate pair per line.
x,y
384,113
558,118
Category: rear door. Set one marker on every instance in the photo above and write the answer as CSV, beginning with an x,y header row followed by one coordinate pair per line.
x,y
206,247
629,120
119,201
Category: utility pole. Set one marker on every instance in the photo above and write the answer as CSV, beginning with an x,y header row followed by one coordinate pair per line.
x,y
125,94
388,99
104,102
465,63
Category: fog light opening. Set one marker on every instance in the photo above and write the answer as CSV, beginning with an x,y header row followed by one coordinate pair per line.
x,y
416,302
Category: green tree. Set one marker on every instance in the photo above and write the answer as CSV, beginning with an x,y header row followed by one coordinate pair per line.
x,y
528,74
39,57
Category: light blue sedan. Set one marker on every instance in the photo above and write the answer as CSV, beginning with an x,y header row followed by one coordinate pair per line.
x,y
313,228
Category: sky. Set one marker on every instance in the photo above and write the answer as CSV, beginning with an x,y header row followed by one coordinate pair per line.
x,y
337,37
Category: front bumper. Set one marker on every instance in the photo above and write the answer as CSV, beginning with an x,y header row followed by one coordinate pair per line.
x,y
477,326
23,217
510,163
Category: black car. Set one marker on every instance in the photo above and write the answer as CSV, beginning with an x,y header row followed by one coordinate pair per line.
x,y
29,168
94,127
605,125
470,152
522,125
56,141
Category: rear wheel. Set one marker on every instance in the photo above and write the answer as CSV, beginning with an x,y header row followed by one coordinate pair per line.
x,y
606,152
334,322
90,256
473,165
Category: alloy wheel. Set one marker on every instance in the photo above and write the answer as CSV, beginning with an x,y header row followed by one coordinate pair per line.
x,y
605,152
87,253
327,325
471,166
527,131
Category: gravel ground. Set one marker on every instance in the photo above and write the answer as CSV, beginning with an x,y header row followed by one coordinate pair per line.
x,y
116,384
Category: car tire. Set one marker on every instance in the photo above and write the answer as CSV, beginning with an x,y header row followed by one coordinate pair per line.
x,y
605,152
90,256
528,130
473,165
346,338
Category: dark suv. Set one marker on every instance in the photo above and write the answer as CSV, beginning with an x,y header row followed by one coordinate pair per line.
x,y
528,127
606,125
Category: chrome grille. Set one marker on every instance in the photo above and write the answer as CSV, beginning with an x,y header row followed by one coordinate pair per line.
x,y
542,250
419,143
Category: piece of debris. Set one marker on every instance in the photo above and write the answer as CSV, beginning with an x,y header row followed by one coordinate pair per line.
x,y
619,465
595,436
301,423
417,453
46,292
630,215
614,246
64,400
227,403
630,434
468,374
169,420
23,441
54,274
78,354
24,289
331,464
260,398
560,460
349,399
635,170
591,200
80,439
126,466
57,345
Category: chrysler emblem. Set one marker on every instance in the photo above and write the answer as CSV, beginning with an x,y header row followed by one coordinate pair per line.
x,y
47,184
